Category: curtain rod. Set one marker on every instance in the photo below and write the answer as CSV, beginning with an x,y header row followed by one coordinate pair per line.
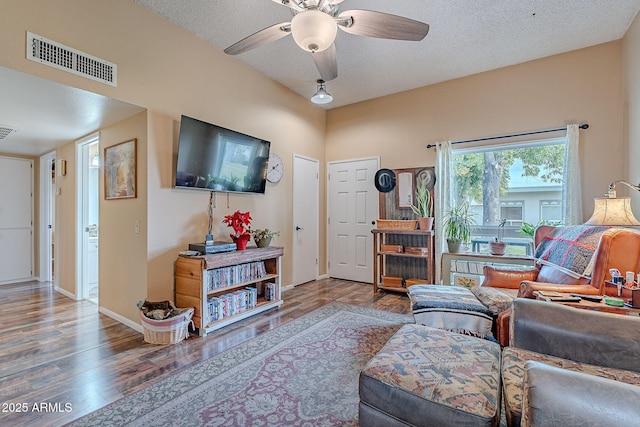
x,y
582,126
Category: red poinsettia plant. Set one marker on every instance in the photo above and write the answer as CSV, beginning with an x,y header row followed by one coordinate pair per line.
x,y
240,222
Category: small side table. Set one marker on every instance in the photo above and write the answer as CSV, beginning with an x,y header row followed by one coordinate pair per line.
x,y
590,305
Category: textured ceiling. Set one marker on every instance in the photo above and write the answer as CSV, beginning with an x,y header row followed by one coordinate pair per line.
x,y
466,37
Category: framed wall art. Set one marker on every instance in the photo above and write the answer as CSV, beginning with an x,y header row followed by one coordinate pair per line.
x,y
120,170
405,188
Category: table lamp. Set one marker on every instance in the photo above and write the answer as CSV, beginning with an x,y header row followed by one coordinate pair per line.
x,y
612,210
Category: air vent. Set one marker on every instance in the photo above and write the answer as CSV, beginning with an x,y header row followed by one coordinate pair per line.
x,y
5,131
44,51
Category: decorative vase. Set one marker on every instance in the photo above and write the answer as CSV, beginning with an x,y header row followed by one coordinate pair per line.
x,y
425,223
497,248
241,241
262,243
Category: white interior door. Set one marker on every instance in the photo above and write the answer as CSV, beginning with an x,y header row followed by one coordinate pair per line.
x,y
353,209
305,219
88,213
16,219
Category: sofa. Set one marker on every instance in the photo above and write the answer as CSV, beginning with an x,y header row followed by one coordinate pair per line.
x,y
609,247
570,367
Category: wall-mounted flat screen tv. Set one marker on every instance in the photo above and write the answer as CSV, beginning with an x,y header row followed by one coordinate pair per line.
x,y
213,158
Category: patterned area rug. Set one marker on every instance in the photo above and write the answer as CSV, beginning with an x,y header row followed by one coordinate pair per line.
x,y
304,373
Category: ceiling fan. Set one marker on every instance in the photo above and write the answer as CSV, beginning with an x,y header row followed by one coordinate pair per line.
x,y
315,24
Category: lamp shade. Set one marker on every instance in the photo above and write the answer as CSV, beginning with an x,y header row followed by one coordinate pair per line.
x,y
612,211
313,31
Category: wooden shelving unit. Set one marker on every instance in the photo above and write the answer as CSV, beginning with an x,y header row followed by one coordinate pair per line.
x,y
405,265
193,279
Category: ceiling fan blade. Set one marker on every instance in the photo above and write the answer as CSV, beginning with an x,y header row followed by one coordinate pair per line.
x,y
292,4
327,63
381,25
267,35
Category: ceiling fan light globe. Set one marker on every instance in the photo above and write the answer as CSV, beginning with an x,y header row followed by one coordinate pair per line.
x,y
313,31
321,97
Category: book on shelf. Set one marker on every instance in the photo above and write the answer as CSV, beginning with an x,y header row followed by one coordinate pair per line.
x,y
232,303
228,276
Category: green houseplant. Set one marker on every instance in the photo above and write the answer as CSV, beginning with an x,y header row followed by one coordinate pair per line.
x,y
424,205
263,236
458,226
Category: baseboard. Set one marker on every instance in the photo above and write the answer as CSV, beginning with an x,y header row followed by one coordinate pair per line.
x,y
133,325
323,276
65,293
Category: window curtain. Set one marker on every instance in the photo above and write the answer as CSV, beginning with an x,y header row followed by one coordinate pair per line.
x,y
571,189
444,196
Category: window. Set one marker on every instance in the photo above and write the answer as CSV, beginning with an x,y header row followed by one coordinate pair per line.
x,y
512,211
515,182
551,210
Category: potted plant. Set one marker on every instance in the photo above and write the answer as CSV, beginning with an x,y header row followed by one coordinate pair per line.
x,y
497,247
263,236
458,225
424,205
240,222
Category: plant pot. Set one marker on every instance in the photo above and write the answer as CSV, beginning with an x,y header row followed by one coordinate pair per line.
x,y
454,245
425,223
497,248
241,241
262,243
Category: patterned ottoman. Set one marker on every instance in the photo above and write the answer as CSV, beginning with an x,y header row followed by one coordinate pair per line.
x,y
453,308
431,377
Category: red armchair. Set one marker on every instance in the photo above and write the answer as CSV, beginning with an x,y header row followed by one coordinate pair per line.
x,y
617,248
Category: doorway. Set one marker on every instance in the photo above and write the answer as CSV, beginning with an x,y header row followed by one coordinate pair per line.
x,y
352,211
305,219
47,217
16,220
88,176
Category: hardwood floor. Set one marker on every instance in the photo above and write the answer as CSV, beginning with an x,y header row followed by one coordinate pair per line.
x,y
60,359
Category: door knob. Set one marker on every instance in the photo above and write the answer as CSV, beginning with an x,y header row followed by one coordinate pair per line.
x,y
299,228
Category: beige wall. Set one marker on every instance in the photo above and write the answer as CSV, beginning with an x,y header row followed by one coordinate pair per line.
x,y
631,90
123,252
65,217
170,72
579,86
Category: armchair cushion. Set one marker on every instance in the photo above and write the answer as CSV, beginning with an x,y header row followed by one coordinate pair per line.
x,y
510,278
513,366
554,396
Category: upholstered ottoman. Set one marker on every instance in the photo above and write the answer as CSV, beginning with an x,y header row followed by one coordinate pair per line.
x,y
453,308
431,377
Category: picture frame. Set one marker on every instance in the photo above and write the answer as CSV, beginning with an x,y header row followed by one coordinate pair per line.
x,y
405,188
120,170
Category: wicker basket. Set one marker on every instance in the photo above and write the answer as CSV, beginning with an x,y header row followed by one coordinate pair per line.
x,y
397,224
167,331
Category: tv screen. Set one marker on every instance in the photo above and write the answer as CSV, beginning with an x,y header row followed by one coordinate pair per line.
x,y
213,158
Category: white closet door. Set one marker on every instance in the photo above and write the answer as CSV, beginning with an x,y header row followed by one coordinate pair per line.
x,y
16,211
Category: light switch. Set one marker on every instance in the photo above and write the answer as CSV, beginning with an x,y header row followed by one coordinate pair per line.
x,y
137,227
